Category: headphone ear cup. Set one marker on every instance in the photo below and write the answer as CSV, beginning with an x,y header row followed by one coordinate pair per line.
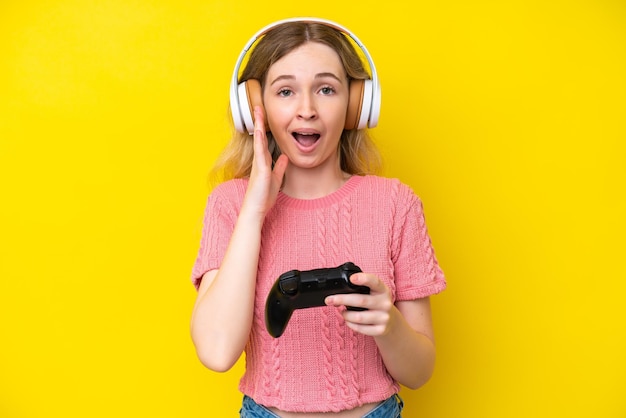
x,y
249,95
355,104
366,105
359,105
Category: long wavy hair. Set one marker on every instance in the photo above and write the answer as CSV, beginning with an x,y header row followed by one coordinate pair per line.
x,y
358,153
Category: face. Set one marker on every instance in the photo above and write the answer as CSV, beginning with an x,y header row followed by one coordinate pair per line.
x,y
306,100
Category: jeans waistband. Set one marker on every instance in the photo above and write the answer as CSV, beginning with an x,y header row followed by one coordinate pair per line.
x,y
390,408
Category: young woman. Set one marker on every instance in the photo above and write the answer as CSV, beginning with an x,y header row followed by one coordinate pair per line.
x,y
300,194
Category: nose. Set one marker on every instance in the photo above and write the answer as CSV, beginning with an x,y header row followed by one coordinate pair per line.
x,y
307,108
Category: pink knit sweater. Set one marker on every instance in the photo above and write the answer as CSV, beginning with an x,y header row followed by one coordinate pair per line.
x,y
319,364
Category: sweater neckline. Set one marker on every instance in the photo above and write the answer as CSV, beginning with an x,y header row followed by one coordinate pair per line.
x,y
320,202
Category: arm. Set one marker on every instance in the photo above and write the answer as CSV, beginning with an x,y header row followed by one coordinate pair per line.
x,y
403,332
223,312
222,315
408,348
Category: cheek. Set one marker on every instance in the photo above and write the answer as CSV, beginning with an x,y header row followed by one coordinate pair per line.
x,y
277,121
337,117
335,110
274,115
273,123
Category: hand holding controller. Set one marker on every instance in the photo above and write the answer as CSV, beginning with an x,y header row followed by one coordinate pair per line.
x,y
305,289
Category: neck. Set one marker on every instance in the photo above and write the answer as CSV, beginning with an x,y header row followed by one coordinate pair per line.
x,y
313,183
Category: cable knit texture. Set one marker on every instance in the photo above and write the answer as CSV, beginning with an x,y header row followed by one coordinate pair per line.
x,y
319,364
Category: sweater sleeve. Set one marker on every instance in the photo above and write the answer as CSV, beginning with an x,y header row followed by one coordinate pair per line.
x,y
417,271
220,215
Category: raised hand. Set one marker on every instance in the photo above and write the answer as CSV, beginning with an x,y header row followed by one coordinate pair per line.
x,y
265,182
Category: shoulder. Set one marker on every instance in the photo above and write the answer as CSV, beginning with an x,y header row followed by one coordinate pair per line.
x,y
383,182
232,190
391,188
227,196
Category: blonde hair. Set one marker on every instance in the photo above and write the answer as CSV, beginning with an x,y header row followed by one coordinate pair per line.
x,y
358,153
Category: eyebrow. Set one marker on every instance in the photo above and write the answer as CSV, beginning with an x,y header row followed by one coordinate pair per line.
x,y
292,77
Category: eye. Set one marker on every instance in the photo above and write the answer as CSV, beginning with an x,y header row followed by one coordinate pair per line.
x,y
327,90
284,92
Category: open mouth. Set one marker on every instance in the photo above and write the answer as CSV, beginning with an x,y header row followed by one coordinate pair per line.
x,y
306,139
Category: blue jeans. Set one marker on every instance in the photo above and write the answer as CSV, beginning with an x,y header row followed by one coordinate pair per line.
x,y
391,408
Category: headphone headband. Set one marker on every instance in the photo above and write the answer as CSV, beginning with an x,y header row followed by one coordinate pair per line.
x,y
241,113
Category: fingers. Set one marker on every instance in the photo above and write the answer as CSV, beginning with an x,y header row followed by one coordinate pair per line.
x,y
374,321
370,280
279,169
265,182
260,139
367,324
262,160
261,151
378,299
259,120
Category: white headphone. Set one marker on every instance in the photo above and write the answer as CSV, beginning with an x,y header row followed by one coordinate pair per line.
x,y
364,105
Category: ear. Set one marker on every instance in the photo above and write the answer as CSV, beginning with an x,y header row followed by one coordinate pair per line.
x,y
355,104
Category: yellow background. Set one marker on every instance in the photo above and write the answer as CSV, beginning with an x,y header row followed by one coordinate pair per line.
x,y
506,117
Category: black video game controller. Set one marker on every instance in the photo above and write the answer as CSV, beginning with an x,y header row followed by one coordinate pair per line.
x,y
306,289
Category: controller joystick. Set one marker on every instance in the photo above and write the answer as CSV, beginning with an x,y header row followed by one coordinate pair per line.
x,y
306,289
